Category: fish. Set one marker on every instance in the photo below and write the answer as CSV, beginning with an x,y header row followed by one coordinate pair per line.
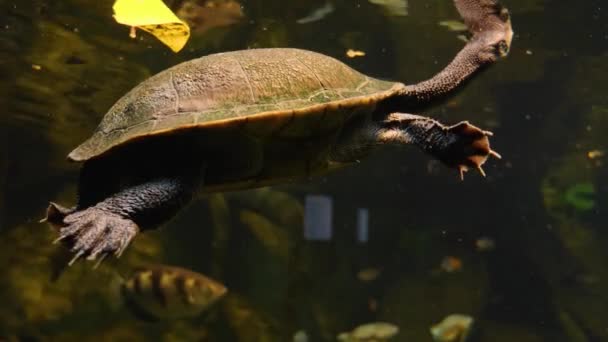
x,y
163,292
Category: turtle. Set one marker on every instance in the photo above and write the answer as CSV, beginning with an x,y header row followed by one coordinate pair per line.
x,y
251,118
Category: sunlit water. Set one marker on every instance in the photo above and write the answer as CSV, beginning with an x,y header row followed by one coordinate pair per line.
x,y
522,251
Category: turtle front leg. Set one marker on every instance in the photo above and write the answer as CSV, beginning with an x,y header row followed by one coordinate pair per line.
x,y
109,226
461,146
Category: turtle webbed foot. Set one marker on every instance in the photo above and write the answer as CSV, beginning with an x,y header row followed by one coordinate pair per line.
x,y
93,232
469,148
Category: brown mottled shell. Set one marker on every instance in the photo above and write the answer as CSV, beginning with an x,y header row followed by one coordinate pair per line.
x,y
265,91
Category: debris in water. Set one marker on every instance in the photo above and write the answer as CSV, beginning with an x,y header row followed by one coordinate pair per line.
x,y
368,274
595,154
354,53
485,244
451,264
317,14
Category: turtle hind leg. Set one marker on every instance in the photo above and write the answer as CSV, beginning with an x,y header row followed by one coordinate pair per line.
x,y
109,226
95,232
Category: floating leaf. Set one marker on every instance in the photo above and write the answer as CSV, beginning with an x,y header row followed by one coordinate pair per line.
x,y
154,17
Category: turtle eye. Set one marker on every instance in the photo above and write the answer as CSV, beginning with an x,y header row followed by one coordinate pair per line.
x,y
504,15
502,48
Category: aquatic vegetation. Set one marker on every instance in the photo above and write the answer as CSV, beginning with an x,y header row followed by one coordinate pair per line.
x,y
37,294
580,196
393,7
279,206
273,237
248,323
454,25
453,328
370,332
222,228
300,336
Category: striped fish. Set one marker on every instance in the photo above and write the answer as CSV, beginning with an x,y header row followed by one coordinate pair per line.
x,y
167,292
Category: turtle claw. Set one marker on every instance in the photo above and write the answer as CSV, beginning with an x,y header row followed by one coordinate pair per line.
x,y
481,171
93,232
98,262
462,169
495,154
75,258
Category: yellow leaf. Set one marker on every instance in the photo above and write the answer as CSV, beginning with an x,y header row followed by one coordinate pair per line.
x,y
154,17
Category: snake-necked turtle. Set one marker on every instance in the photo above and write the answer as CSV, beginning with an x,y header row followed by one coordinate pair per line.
x,y
250,118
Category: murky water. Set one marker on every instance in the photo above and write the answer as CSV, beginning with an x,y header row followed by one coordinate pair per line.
x,y
522,251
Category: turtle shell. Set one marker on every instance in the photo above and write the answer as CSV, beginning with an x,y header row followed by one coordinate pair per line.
x,y
262,92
